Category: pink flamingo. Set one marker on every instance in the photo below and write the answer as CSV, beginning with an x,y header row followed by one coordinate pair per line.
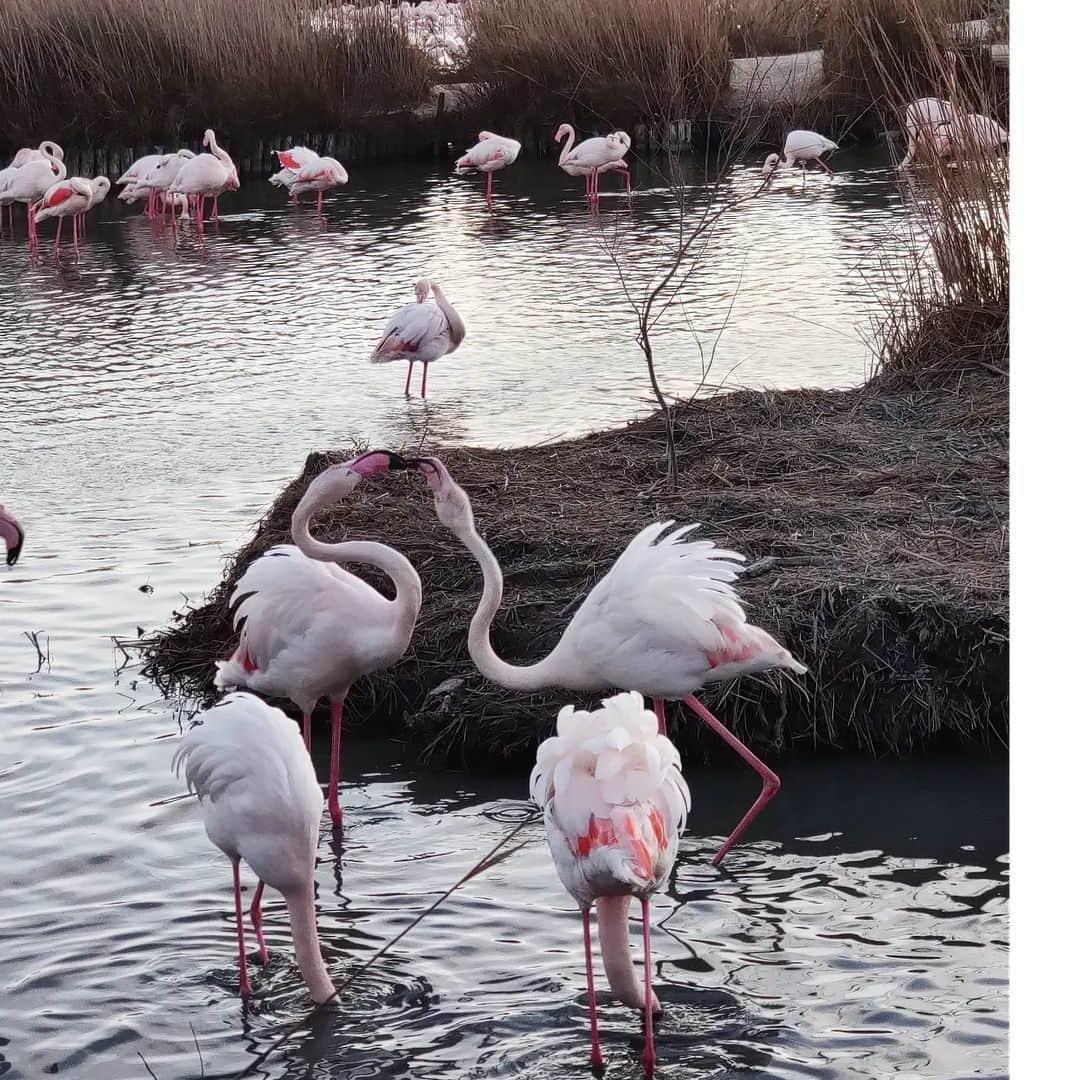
x,y
420,332
28,184
593,156
136,178
161,178
66,199
799,148
320,175
261,803
11,532
101,186
615,804
491,153
47,149
309,628
292,161
206,176
664,621
922,119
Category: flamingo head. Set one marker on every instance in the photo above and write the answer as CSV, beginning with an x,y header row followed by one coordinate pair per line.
x,y
52,150
452,506
12,534
423,288
771,163
563,131
619,138
334,483
375,461
101,185
209,139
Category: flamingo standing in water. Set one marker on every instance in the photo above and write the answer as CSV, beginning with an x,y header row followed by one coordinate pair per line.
x,y
799,148
206,176
664,621
615,805
68,199
592,157
321,175
136,179
28,184
308,628
420,332
491,153
922,119
261,803
11,532
164,175
971,134
292,161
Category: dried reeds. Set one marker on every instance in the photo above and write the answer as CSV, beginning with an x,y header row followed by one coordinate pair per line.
x,y
139,70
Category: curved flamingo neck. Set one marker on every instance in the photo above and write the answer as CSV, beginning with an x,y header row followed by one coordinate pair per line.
x,y
570,136
539,676
613,927
305,935
408,593
453,319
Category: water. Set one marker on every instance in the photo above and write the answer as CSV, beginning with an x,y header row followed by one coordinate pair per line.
x,y
154,398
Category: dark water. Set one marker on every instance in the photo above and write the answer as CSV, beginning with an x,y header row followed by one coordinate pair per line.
x,y
152,401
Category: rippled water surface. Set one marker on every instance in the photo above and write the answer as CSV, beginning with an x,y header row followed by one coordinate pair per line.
x,y
154,398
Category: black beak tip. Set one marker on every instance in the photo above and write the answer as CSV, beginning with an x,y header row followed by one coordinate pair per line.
x,y
13,554
396,460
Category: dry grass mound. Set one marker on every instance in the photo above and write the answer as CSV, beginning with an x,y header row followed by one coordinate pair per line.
x,y
874,522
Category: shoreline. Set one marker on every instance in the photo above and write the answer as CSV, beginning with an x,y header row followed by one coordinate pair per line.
x,y
874,521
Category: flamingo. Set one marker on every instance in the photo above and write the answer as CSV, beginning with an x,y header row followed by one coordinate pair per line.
x,y
292,161
420,332
664,621
206,176
571,169
11,532
101,186
311,629
615,805
921,121
67,199
164,174
138,175
28,184
323,173
47,149
799,148
261,803
968,134
592,157
491,153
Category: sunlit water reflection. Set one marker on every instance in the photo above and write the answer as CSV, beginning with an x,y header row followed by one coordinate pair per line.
x,y
154,397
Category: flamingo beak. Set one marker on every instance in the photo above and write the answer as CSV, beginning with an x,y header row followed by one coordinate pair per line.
x,y
374,461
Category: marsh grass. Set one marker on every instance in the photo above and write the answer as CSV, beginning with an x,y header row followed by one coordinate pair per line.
x,y
775,27
136,70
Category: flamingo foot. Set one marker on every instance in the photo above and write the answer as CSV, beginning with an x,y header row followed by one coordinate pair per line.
x,y
256,921
770,782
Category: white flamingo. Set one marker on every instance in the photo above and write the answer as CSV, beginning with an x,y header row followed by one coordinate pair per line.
x,y
971,134
308,628
261,803
592,155
164,175
321,175
70,198
572,169
28,183
292,161
491,153
799,148
664,621
420,332
11,532
206,176
136,178
615,805
922,119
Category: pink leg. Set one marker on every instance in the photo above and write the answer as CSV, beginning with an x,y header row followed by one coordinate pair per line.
x,y
489,175
56,242
824,166
213,213
256,921
588,183
335,760
423,384
75,234
658,708
648,1058
245,986
307,732
408,378
318,204
770,782
596,1059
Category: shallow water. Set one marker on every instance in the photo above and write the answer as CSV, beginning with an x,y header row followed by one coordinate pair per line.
x,y
154,398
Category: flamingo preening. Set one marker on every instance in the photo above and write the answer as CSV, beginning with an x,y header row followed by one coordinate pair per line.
x,y
206,176
799,148
261,803
11,532
420,332
615,805
134,181
592,157
491,153
664,621
69,198
922,119
292,161
308,628
320,175
47,149
28,184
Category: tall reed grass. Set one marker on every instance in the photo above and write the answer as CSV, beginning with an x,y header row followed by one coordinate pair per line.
x,y
775,27
614,63
146,70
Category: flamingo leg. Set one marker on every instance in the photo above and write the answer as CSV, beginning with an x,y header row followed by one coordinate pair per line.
x,y
31,233
423,384
256,921
408,378
75,235
245,986
596,1059
770,782
307,732
824,166
489,176
213,212
661,719
318,204
335,760
56,242
648,1057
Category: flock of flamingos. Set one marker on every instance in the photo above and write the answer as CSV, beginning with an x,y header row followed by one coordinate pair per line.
x,y
663,623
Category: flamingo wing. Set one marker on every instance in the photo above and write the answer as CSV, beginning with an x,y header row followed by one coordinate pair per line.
x,y
409,330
